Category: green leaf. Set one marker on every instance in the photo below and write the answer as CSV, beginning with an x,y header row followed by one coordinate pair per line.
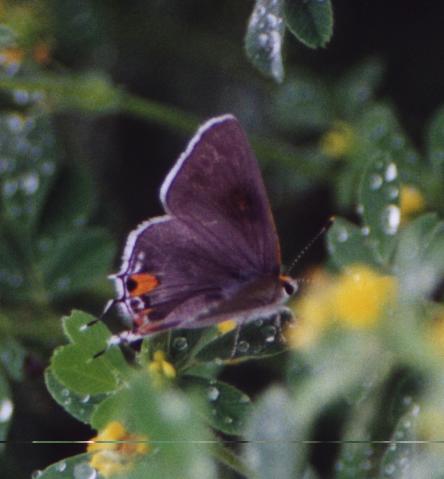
x,y
81,407
310,21
12,357
257,339
70,202
264,38
75,261
171,423
358,87
273,449
74,365
435,142
7,37
75,467
302,104
27,166
228,407
419,259
379,200
347,244
398,455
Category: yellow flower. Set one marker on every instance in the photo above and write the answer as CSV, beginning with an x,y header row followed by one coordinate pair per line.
x,y
114,449
159,367
359,296
311,311
337,141
226,326
411,201
11,56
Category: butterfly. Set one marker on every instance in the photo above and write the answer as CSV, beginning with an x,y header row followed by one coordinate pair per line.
x,y
215,254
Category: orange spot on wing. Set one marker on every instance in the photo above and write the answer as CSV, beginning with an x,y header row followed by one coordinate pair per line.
x,y
141,283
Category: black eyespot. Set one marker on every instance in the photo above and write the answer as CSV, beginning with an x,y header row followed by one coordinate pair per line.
x,y
288,287
131,285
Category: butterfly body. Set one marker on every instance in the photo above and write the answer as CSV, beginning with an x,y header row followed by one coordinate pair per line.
x,y
215,254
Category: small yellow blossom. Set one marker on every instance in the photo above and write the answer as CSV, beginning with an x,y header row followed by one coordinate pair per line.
x,y
114,449
11,56
227,326
411,201
354,299
311,311
337,141
359,296
159,367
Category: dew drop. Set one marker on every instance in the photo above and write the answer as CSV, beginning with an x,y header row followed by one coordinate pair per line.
x,y
243,346
228,420
360,209
269,333
36,474
244,399
83,328
60,466
6,410
47,168
342,235
415,410
263,39
389,469
390,218
365,230
180,343
392,192
85,399
375,182
65,392
63,283
21,97
84,471
67,402
30,183
9,188
213,393
391,172
272,20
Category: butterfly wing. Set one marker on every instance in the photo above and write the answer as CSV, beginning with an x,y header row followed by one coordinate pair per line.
x,y
217,186
218,236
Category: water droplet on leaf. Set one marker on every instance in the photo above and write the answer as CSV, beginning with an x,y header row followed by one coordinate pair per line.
x,y
180,343
213,393
390,219
6,410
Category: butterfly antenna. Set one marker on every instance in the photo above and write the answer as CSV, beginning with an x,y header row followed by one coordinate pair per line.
x,y
304,250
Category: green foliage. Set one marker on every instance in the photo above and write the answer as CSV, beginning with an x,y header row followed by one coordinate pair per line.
x,y
311,21
264,38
